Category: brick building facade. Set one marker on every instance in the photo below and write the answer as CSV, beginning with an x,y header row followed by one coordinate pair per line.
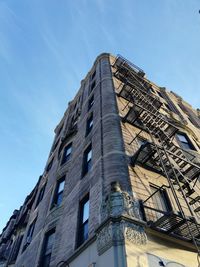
x,y
120,187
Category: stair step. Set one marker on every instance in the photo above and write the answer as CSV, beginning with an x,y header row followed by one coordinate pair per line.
x,y
189,192
197,209
192,191
192,172
194,200
183,164
174,148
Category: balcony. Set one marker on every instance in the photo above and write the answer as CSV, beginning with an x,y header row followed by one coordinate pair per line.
x,y
172,223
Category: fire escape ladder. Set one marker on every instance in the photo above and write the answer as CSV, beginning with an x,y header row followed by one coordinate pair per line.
x,y
176,165
184,226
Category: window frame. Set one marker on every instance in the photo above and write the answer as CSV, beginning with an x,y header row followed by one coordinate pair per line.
x,y
40,195
65,157
89,124
57,194
44,247
188,145
83,224
164,198
29,234
90,102
141,141
87,163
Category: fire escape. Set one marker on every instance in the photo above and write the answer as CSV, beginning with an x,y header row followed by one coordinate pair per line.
x,y
161,154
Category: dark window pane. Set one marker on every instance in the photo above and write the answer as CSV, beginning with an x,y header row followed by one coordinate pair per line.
x,y
30,232
160,199
61,186
182,138
92,86
49,243
85,231
66,153
89,155
89,165
141,141
185,141
40,196
29,235
47,249
85,211
46,260
59,199
58,196
15,249
83,220
87,160
91,102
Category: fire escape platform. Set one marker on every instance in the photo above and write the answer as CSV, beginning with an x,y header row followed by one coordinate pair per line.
x,y
131,91
144,156
174,224
149,156
142,109
157,126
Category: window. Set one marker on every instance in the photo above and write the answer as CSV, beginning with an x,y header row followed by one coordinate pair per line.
x,y
89,124
141,141
83,220
66,153
74,121
58,195
40,196
160,199
92,86
90,102
15,249
29,235
47,249
87,160
185,141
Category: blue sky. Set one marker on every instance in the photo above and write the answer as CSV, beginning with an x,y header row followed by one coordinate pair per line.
x,y
47,47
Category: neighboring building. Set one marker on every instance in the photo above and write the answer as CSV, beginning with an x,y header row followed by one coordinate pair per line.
x,y
121,184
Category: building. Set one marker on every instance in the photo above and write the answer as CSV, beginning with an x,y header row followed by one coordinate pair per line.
x,y
121,184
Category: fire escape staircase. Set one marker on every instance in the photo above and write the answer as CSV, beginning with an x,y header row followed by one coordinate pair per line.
x,y
161,153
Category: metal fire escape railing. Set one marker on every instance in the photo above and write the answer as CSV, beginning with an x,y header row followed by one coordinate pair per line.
x,y
161,153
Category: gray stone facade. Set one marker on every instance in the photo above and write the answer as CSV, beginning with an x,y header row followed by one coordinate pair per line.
x,y
115,214
108,165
